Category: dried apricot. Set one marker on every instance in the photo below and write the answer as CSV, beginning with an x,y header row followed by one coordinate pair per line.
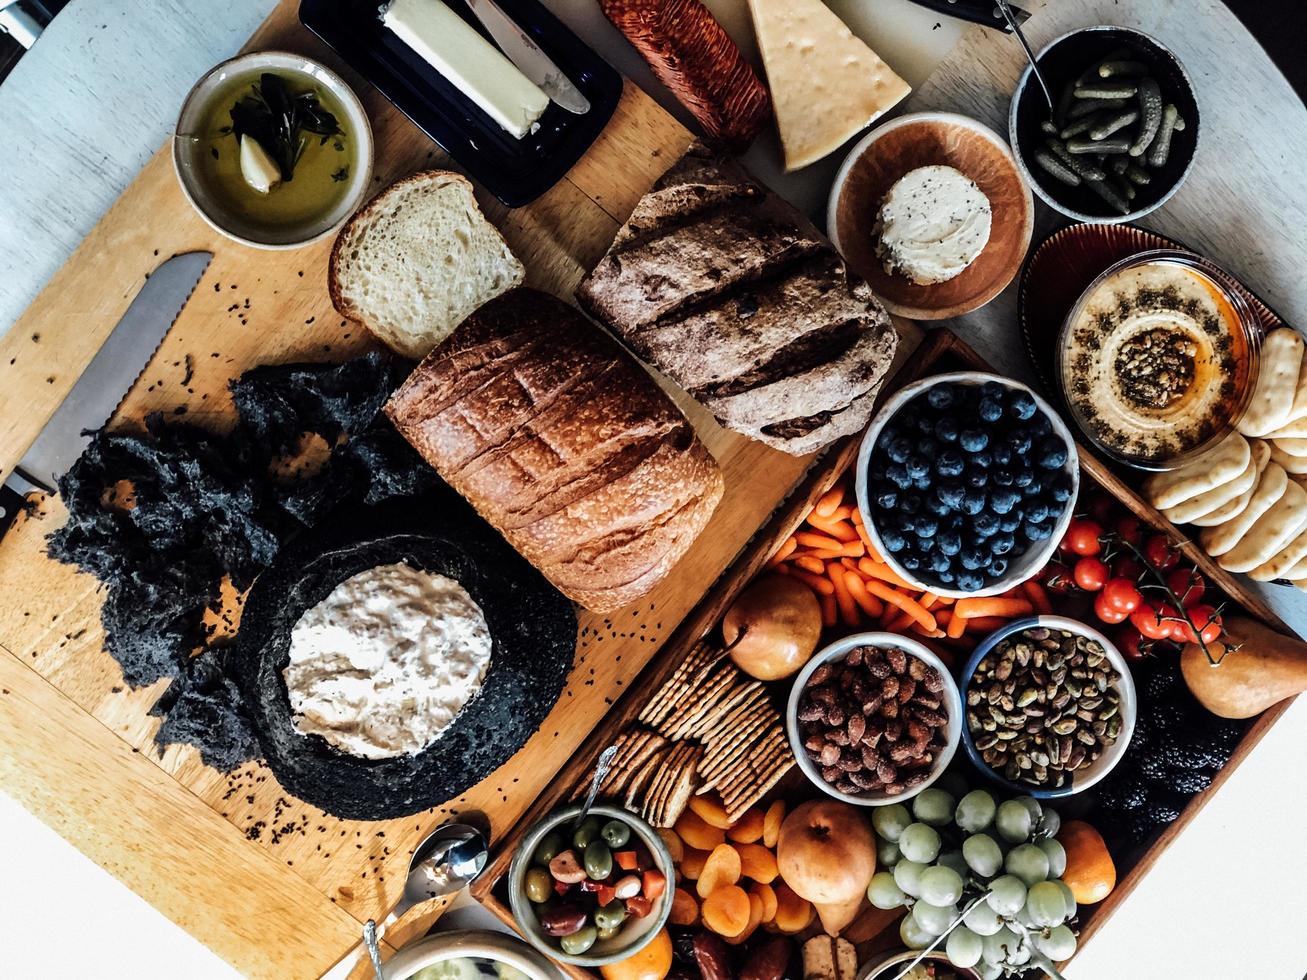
x,y
675,846
748,829
696,832
722,868
727,910
771,823
685,909
757,862
768,896
710,811
692,862
653,961
1090,872
793,914
755,920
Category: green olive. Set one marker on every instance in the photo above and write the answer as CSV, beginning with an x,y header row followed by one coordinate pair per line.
x,y
610,932
550,846
616,833
610,916
585,833
539,885
598,860
580,941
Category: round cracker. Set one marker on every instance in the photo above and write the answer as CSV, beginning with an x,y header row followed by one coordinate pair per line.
x,y
1296,465
1270,488
1294,447
1273,396
1293,429
1271,532
1187,511
1288,556
1226,461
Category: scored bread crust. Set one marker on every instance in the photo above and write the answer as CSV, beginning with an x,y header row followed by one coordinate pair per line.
x,y
734,295
363,219
564,444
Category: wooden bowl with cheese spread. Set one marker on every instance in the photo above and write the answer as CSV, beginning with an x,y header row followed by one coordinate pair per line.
x,y
896,149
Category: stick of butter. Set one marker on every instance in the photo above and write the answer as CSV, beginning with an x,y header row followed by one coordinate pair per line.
x,y
453,47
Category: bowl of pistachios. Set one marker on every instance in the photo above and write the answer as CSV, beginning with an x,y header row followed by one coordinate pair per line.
x,y
1121,134
1049,706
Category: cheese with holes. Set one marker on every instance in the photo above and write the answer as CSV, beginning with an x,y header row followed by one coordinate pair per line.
x,y
454,48
826,84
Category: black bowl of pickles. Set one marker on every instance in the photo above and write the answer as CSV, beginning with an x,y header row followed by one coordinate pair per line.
x,y
593,892
1123,130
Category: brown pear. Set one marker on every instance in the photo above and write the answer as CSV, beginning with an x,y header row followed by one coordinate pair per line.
x,y
773,627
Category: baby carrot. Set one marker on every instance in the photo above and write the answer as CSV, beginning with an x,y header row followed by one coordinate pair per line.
x,y
992,606
817,583
784,551
843,600
831,499
862,533
810,564
880,570
1038,597
828,612
902,622
985,624
956,626
906,603
872,606
822,541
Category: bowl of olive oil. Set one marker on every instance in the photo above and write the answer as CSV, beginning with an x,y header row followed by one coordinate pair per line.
x,y
273,149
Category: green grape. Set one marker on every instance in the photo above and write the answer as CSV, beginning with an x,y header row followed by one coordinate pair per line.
x,y
953,859
983,855
1049,824
907,875
919,842
1031,804
887,853
1068,895
983,920
889,821
1007,894
933,806
988,971
1058,945
1013,821
884,892
933,919
1027,862
975,811
1045,905
1056,856
963,947
999,946
942,886
913,936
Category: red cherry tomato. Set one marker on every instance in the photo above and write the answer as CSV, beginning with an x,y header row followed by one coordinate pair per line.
x,y
1130,529
1056,577
1107,612
1121,595
1203,621
1090,574
1132,644
1187,584
1151,622
1101,510
1159,553
1127,567
1082,537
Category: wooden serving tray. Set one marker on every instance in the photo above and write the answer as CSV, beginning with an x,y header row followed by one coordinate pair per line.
x,y
876,930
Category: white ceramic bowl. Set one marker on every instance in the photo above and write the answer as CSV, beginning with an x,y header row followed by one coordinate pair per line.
x,y
186,150
635,933
1034,558
951,700
481,944
1125,686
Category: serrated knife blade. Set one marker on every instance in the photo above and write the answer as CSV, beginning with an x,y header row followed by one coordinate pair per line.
x,y
530,60
107,379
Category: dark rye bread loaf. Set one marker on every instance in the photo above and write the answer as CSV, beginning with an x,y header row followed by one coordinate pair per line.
x,y
734,295
563,443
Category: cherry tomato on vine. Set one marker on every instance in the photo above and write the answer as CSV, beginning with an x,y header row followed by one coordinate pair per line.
x,y
1121,595
1203,621
1082,537
1151,622
1090,574
1107,612
1056,577
1159,553
1130,529
1132,644
1187,584
1127,567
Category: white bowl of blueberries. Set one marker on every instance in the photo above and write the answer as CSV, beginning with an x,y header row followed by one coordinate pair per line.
x,y
966,483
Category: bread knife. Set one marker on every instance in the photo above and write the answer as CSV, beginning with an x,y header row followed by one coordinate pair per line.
x,y
982,12
105,382
527,56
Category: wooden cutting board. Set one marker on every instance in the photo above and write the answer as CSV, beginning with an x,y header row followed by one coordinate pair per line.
x,y
273,885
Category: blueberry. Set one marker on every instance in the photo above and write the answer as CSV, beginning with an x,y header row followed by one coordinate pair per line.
x,y
1052,453
950,542
1038,530
1060,488
940,396
907,523
898,449
973,558
1008,523
990,409
1032,489
981,460
936,507
973,440
945,576
954,522
992,389
1002,456
946,430
973,502
1021,404
970,581
985,524
938,561
910,562
923,482
898,475
1040,426
1002,500
887,499
949,463
998,567
927,526
892,540
925,545
977,479
1019,442
1037,511
1002,543
917,466
927,447
924,424
1023,477
1003,477
910,504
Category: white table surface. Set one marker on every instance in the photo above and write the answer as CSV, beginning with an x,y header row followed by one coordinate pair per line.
x,y
83,112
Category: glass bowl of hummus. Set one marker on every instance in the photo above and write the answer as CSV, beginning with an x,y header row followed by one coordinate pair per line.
x,y
1158,358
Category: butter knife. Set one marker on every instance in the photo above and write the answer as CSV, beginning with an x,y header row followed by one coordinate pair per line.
x,y
986,13
527,56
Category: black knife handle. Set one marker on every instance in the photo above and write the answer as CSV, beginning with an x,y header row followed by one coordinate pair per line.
x,y
11,502
982,12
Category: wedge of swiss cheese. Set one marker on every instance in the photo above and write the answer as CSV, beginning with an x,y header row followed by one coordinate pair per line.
x,y
826,84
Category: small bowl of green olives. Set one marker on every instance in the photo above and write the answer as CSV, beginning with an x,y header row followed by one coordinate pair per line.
x,y
593,892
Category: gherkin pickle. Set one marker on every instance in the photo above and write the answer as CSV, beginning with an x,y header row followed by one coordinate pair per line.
x,y
539,885
580,941
549,848
616,833
585,833
598,860
610,916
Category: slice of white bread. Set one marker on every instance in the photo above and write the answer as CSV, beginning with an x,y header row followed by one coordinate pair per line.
x,y
417,259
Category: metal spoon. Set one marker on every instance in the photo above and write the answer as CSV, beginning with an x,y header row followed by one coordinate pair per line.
x,y
448,860
1015,25
374,951
601,770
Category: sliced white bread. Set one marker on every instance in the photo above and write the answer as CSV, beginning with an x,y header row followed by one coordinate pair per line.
x,y
417,259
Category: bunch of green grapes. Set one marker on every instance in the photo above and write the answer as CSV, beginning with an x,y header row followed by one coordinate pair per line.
x,y
996,866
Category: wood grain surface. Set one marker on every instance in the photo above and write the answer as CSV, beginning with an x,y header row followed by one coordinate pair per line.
x,y
292,885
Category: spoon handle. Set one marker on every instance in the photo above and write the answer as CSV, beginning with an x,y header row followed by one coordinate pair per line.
x,y
601,770
374,951
1015,26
